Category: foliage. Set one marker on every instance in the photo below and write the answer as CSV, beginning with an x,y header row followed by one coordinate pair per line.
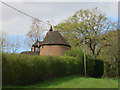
x,y
26,69
88,25
111,70
75,52
78,52
110,54
98,67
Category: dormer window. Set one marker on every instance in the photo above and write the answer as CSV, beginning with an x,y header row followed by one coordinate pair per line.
x,y
32,48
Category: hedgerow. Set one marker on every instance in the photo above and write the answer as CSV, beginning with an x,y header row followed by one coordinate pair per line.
x,y
25,69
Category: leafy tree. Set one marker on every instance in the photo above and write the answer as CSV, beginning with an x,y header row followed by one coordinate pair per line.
x,y
89,25
110,54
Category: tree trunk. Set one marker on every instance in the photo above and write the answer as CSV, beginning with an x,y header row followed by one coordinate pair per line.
x,y
94,56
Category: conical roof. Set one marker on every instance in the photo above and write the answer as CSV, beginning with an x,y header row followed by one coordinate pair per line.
x,y
54,38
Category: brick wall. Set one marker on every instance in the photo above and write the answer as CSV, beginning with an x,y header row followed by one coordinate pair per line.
x,y
30,53
53,50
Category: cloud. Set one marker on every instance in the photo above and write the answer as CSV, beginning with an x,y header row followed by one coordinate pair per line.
x,y
13,26
17,23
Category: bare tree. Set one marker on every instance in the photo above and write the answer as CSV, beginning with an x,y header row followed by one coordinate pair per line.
x,y
9,46
15,47
4,42
36,32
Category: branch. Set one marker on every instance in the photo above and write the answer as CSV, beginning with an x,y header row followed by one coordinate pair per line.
x,y
101,48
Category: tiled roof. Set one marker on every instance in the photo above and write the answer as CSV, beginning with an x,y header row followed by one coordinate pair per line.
x,y
52,38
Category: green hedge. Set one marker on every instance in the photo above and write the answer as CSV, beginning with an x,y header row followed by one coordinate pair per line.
x,y
99,68
26,69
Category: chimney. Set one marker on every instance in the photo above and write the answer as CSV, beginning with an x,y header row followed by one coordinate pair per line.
x,y
37,40
50,28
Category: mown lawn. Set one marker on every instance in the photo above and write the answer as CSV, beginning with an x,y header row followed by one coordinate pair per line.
x,y
74,82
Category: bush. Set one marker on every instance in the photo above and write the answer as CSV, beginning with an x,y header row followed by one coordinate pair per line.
x,y
90,69
26,69
111,69
99,68
58,66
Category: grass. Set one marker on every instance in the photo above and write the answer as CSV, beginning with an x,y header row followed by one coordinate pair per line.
x,y
74,82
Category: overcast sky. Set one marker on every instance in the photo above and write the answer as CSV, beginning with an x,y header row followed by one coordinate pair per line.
x,y
17,24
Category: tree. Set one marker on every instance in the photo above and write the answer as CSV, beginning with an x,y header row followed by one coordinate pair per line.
x,y
9,46
36,32
15,46
110,54
91,25
5,43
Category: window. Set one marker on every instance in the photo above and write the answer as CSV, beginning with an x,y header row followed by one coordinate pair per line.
x,y
37,49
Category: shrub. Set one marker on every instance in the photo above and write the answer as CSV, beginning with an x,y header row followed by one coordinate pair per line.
x,y
58,66
90,67
98,68
111,69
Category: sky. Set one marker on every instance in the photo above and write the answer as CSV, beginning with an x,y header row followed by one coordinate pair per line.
x,y
17,25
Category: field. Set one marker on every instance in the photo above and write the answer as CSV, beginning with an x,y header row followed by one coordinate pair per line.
x,y
74,82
